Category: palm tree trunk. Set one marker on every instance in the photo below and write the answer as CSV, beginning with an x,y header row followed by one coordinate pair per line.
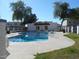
x,y
21,20
61,24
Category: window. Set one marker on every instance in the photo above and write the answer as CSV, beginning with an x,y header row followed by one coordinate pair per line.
x,y
46,27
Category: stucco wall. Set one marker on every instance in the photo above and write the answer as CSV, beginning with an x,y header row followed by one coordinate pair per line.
x,y
64,23
3,41
31,27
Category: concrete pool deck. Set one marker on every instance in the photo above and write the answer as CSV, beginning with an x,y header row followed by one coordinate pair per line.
x,y
12,34
27,50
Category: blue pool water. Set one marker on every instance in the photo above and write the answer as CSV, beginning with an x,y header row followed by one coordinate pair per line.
x,y
30,36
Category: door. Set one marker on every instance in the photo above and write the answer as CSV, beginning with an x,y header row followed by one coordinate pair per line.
x,y
46,27
37,28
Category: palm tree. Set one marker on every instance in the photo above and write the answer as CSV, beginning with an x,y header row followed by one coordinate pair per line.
x,y
17,15
22,13
60,11
18,10
74,14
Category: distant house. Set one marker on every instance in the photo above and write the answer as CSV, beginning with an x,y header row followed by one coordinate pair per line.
x,y
43,26
14,26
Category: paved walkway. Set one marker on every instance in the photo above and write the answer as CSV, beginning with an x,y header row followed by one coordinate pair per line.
x,y
27,50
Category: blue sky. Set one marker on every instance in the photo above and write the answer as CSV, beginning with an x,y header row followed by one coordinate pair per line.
x,y
42,8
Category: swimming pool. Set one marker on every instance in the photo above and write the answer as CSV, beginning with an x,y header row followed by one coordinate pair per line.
x,y
30,36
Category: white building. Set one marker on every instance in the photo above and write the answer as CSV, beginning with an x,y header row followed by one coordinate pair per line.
x,y
14,26
42,26
37,26
71,25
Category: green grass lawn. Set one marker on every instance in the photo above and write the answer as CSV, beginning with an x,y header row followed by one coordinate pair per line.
x,y
66,53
